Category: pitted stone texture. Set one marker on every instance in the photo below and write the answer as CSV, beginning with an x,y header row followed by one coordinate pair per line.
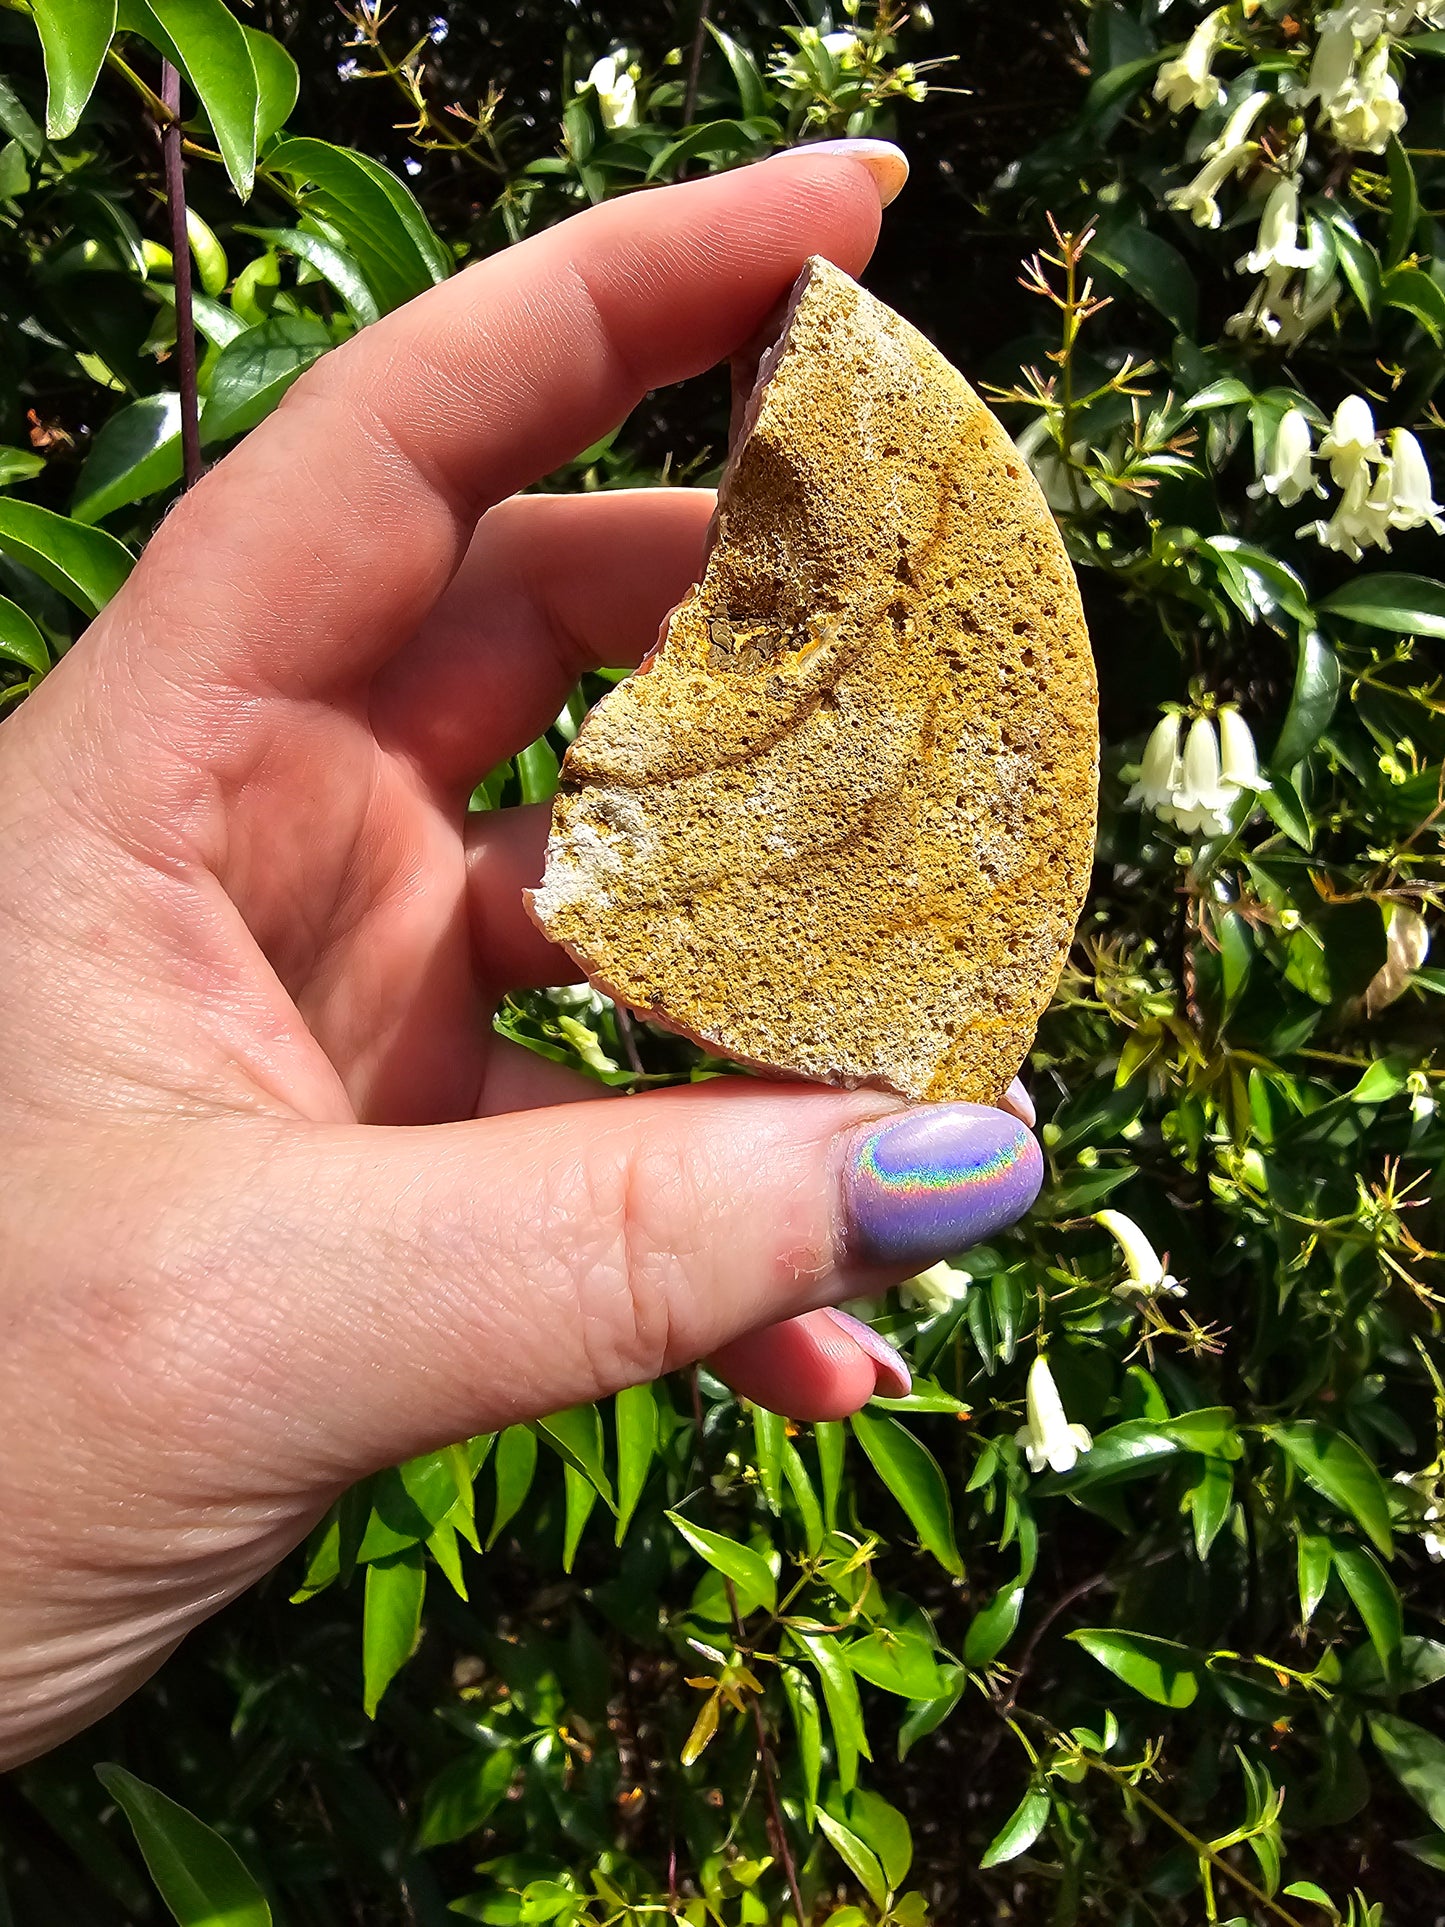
x,y
840,824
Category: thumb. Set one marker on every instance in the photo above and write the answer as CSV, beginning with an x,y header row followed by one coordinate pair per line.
x,y
417,1285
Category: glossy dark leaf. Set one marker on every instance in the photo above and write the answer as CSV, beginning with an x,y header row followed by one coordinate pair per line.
x,y
202,1879
1159,1669
1406,605
1316,691
255,370
137,453
20,640
635,1415
912,1475
1336,1467
1376,1600
1416,1758
86,565
1020,1830
75,36
577,1435
278,81
216,58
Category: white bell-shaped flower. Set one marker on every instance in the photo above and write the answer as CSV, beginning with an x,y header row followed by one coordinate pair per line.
x,y
1145,1271
1048,1438
1350,441
1238,758
1234,135
1288,474
1160,771
1332,70
1365,115
1277,244
616,89
1198,198
1202,801
1186,80
1362,516
934,1290
1412,502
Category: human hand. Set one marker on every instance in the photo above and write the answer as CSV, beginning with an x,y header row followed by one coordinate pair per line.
x,y
281,1209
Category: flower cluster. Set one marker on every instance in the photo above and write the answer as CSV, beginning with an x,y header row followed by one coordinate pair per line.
x,y
1384,480
1197,784
1352,88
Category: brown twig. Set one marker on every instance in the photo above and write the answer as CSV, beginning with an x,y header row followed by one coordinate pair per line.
x,y
765,1764
694,65
181,266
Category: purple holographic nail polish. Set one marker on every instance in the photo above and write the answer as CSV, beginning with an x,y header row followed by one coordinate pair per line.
x,y
932,1182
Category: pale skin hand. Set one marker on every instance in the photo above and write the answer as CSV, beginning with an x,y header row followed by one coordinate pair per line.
x,y
280,1209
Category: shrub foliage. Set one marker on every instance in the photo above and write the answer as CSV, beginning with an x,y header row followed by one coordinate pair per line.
x,y
1127,1613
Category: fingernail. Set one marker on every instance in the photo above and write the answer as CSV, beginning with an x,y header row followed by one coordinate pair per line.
x,y
1017,1100
886,163
894,1378
934,1181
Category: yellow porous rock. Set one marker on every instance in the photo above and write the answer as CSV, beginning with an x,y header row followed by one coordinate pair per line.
x,y
839,825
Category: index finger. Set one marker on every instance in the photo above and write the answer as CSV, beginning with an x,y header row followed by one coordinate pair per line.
x,y
310,553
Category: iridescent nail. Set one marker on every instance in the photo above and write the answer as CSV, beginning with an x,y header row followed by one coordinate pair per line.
x,y
932,1182
895,1380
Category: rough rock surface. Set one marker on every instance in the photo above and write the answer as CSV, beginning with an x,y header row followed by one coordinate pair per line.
x,y
840,824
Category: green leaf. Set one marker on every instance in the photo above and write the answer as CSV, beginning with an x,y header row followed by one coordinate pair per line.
x,y
912,1475
770,1434
1404,202
810,1513
75,36
635,1412
897,1662
18,465
374,213
747,1569
1160,1669
514,1465
1152,267
581,1496
86,565
1227,392
752,94
1404,604
463,1796
883,1828
137,453
991,1629
278,81
1130,1450
17,122
861,1861
216,57
808,1725
1316,691
713,137
20,640
1376,1600
255,370
1283,804
1314,1560
1385,1078
391,1621
1210,1500
830,1439
201,1878
1358,261
1019,1832
840,1696
1412,290
333,264
1416,1758
576,1435
538,771
1336,1467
